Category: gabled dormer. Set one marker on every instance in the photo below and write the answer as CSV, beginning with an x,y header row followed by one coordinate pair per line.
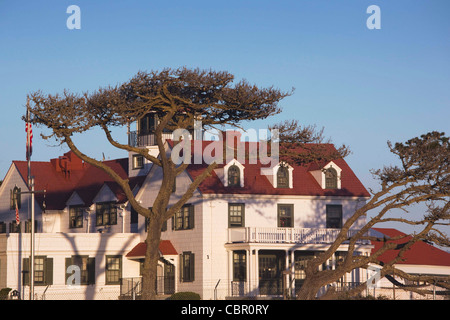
x,y
281,175
232,174
328,177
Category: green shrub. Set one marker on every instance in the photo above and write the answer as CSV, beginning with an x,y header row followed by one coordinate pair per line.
x,y
4,293
185,296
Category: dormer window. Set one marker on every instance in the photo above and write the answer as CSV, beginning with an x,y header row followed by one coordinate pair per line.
x,y
234,176
329,176
282,177
331,180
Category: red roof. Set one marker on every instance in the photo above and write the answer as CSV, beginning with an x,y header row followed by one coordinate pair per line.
x,y
257,183
165,248
420,253
65,175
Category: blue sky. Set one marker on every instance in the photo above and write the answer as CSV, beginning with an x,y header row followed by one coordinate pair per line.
x,y
364,86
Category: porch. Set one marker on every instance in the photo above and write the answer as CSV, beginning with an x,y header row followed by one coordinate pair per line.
x,y
273,270
287,235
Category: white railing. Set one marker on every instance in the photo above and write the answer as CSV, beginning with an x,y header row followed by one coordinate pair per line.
x,y
285,235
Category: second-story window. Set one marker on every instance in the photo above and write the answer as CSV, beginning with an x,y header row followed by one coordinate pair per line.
x,y
334,216
285,215
234,176
147,124
106,213
184,218
75,217
282,177
236,215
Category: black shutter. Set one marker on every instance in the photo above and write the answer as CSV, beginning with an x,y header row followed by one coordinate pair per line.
x,y
26,271
191,217
48,271
91,270
181,267
68,263
192,267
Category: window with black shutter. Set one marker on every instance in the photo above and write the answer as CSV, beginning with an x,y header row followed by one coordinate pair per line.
x,y
187,268
184,218
43,271
86,266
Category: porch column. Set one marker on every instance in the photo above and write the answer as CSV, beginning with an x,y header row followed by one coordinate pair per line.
x,y
230,272
249,265
287,268
256,276
293,272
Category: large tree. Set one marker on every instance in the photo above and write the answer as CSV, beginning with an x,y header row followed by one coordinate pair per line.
x,y
422,177
177,97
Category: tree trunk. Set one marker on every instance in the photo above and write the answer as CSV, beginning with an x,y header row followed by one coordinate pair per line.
x,y
309,289
151,260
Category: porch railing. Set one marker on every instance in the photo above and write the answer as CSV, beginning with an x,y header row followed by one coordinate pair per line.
x,y
131,288
286,235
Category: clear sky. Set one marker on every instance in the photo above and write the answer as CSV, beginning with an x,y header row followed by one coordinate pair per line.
x,y
364,86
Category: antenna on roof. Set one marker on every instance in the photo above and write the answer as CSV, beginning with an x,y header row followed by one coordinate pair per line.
x,y
103,156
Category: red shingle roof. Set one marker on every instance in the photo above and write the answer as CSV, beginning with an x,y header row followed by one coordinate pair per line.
x,y
81,177
420,253
257,183
165,248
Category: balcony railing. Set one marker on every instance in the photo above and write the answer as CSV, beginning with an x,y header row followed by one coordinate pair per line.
x,y
286,235
143,140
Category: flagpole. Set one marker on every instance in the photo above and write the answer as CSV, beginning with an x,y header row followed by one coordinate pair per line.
x,y
28,144
31,187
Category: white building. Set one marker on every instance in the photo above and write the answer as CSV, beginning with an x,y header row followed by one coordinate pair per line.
x,y
422,259
243,233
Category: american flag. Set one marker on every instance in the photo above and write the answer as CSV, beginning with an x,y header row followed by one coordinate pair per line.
x,y
17,214
29,132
